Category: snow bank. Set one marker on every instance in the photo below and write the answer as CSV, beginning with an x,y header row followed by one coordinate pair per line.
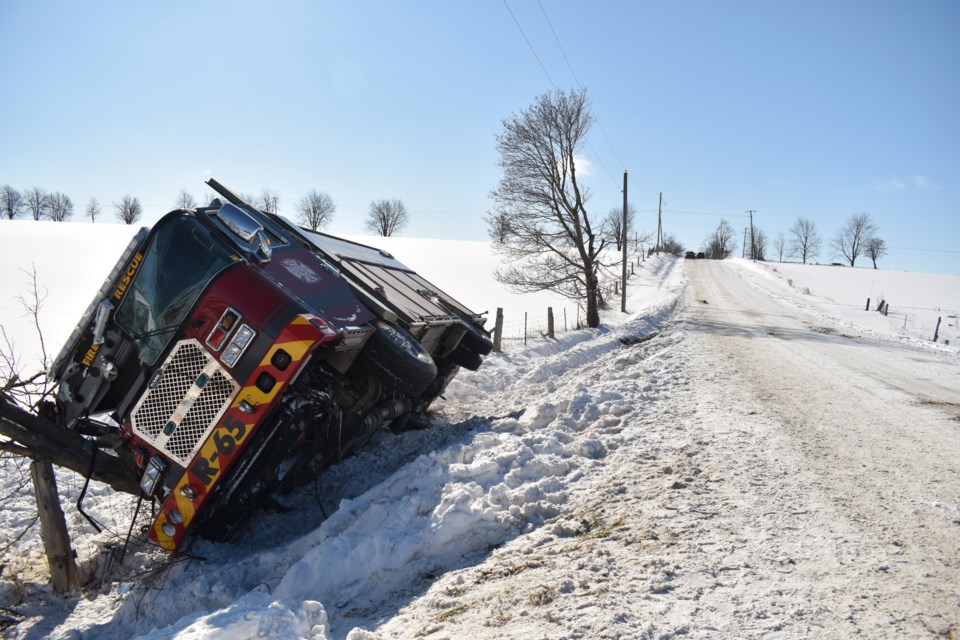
x,y
838,295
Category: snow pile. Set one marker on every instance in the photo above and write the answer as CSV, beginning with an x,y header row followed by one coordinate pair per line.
x,y
840,294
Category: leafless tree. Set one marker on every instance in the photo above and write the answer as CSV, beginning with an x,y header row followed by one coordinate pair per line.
x,y
851,239
671,246
59,207
269,201
315,210
780,246
11,201
185,200
551,239
804,241
24,429
613,224
760,242
36,199
498,226
93,209
387,217
875,248
721,243
128,209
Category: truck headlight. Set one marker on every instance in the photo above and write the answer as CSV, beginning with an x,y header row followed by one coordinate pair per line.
x,y
151,477
241,340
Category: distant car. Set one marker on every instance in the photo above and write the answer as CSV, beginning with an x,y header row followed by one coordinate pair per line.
x,y
690,255
701,255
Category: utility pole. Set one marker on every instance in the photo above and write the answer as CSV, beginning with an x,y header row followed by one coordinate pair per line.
x,y
753,244
743,253
659,224
623,240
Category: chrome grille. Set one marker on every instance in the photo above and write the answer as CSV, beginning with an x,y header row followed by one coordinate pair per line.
x,y
175,397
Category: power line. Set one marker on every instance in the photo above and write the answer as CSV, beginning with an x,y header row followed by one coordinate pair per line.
x,y
532,50
553,84
549,24
580,85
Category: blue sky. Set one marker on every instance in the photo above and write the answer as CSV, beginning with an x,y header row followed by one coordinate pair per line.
x,y
805,109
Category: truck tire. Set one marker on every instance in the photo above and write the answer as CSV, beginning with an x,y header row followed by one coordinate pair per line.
x,y
397,360
476,340
464,357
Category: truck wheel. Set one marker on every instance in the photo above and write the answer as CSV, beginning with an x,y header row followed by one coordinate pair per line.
x,y
476,340
397,360
464,357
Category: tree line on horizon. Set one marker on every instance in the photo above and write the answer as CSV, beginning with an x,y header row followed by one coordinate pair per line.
x,y
385,217
857,237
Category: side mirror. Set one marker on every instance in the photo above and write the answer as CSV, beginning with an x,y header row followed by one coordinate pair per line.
x,y
247,228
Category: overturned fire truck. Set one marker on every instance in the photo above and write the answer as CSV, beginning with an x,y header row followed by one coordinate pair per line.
x,y
235,354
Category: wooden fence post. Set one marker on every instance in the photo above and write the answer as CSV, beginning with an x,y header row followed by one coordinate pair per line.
x,y
498,330
868,305
550,322
524,328
936,332
53,527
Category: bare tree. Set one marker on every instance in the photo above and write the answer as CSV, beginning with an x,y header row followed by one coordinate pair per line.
x,y
613,224
11,202
315,210
780,246
852,237
760,242
59,207
721,243
128,209
671,246
805,241
498,226
36,199
875,248
269,201
93,209
387,217
24,428
185,200
551,238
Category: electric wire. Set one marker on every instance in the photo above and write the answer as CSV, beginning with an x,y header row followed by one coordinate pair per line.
x,y
577,80
553,84
532,50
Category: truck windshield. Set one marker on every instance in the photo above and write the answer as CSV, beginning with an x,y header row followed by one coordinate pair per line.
x,y
182,258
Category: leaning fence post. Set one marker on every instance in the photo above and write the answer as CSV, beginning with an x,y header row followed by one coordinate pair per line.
x,y
53,528
550,322
936,332
868,305
498,330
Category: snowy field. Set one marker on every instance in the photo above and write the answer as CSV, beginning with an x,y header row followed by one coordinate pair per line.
x,y
640,480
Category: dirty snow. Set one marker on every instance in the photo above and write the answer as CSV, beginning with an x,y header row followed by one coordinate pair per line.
x,y
736,456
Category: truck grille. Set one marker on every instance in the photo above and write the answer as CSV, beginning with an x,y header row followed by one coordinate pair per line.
x,y
184,400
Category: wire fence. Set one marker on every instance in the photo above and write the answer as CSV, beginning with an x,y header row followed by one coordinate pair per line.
x,y
517,332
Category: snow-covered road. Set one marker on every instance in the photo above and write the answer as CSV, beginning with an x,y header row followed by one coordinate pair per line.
x,y
844,469
774,477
